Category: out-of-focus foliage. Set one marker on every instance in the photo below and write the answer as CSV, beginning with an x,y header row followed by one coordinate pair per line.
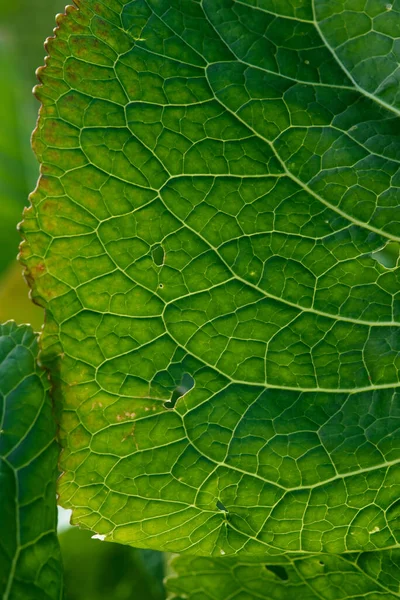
x,y
97,570
14,299
29,24
13,181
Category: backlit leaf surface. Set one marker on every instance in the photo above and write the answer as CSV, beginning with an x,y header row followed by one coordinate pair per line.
x,y
30,563
215,238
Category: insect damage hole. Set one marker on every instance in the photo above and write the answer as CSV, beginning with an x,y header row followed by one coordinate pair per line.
x,y
388,256
220,506
279,571
158,255
186,384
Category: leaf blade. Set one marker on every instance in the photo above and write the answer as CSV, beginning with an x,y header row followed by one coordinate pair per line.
x,y
270,294
373,574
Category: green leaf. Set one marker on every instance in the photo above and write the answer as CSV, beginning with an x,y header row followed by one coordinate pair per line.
x,y
30,563
97,571
373,575
215,239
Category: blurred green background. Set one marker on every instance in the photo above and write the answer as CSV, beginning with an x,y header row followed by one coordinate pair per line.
x,y
94,570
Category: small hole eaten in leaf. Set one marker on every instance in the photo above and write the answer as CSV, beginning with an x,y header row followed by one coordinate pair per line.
x,y
220,506
186,384
158,255
388,256
279,571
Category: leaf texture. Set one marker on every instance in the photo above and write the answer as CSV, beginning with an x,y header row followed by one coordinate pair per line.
x,y
215,238
30,562
372,575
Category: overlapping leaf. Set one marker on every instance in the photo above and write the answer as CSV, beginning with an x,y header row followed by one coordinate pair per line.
x,y
30,563
215,238
324,577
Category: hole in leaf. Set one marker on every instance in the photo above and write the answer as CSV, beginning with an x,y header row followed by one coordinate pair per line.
x,y
388,256
279,571
158,255
321,563
220,506
186,384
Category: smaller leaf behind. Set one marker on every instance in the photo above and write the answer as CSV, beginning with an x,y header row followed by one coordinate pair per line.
x,y
30,561
373,575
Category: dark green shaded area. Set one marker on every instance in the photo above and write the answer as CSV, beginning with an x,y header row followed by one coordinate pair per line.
x,y
94,570
323,577
30,561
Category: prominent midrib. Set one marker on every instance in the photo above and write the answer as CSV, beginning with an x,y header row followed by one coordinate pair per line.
x,y
301,183
314,21
347,72
270,144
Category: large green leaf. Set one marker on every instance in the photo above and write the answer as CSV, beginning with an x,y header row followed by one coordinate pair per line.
x,y
30,563
371,575
215,240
